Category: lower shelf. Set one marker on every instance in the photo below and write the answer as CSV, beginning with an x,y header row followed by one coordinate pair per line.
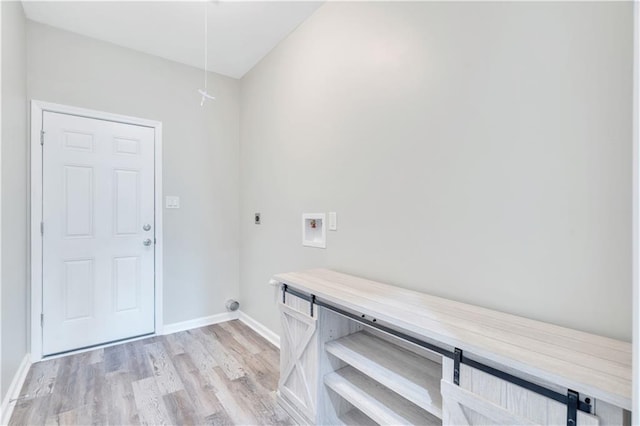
x,y
356,417
409,375
376,401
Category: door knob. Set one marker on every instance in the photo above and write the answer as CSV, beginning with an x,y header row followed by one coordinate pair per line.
x,y
146,227
147,242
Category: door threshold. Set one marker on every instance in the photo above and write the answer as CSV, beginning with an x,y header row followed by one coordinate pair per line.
x,y
95,347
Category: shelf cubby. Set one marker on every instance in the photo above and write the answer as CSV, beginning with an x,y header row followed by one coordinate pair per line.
x,y
378,402
411,376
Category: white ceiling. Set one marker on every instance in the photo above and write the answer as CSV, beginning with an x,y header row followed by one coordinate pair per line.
x,y
240,33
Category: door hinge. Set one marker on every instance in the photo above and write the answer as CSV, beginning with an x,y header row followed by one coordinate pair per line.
x,y
42,137
41,228
41,320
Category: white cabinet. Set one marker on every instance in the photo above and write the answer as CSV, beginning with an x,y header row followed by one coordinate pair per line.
x,y
337,371
357,352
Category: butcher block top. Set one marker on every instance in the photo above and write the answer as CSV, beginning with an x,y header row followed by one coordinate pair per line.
x,y
593,365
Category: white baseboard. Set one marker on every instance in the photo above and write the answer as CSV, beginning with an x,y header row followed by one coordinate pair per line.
x,y
260,329
15,387
198,322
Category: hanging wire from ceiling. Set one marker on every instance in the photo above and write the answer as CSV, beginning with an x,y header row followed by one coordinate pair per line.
x,y
205,94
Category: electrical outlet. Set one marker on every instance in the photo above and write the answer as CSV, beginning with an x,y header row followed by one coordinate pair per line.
x,y
256,217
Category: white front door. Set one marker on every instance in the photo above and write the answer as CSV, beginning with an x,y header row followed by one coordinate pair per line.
x,y
98,231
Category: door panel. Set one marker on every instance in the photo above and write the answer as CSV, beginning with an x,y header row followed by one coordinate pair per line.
x,y
126,283
78,197
98,193
127,198
298,360
78,285
483,399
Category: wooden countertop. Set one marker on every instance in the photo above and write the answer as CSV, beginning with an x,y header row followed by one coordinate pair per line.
x,y
593,365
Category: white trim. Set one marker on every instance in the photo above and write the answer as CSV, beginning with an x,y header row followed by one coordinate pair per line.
x,y
158,230
91,113
636,212
2,407
199,322
36,242
37,108
13,392
261,329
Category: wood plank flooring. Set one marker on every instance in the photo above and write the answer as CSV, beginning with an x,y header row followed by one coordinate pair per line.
x,y
223,374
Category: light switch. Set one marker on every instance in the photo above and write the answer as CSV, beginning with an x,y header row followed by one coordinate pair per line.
x,y
172,202
333,221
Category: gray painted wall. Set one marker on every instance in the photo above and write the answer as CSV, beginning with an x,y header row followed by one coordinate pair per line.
x,y
14,192
476,151
479,152
200,148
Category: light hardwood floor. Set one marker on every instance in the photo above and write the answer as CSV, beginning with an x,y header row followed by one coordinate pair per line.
x,y
222,374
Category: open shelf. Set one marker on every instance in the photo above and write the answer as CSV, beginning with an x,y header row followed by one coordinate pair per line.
x,y
411,376
356,417
375,400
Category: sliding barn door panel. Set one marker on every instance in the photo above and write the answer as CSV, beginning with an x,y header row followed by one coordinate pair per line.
x,y
483,399
298,356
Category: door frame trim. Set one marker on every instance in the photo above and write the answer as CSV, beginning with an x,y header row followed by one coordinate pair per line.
x,y
35,209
